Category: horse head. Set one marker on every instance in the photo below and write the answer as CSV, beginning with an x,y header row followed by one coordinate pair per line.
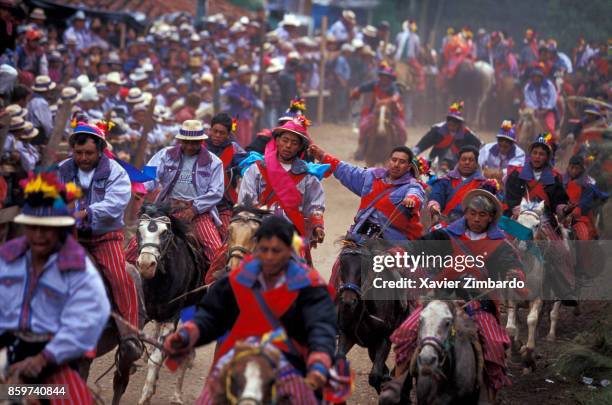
x,y
249,378
435,329
156,227
245,221
349,292
531,215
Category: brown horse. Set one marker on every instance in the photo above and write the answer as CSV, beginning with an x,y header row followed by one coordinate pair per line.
x,y
529,125
245,221
249,376
382,138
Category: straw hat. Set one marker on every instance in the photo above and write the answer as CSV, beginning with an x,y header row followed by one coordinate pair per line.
x,y
486,194
29,131
43,84
290,20
134,96
17,124
89,93
192,130
275,66
138,74
38,14
370,31
114,78
349,15
15,110
69,93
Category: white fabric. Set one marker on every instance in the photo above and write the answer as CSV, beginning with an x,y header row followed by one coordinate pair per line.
x,y
474,235
85,178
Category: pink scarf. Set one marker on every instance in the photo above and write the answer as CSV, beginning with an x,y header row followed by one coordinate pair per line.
x,y
283,185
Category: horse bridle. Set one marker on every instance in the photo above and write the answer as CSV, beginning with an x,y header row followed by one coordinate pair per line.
x,y
152,228
532,214
441,347
256,351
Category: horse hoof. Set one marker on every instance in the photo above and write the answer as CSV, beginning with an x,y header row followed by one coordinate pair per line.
x,y
551,338
527,370
375,381
176,400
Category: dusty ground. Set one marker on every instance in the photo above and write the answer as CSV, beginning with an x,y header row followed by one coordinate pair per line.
x,y
341,206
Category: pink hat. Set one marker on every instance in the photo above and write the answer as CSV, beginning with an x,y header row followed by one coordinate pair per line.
x,y
296,126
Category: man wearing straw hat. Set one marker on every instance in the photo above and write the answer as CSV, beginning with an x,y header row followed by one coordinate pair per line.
x,y
475,234
242,104
39,112
345,29
113,99
191,180
48,327
99,214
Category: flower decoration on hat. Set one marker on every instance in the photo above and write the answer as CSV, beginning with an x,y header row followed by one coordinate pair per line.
x,y
456,107
422,165
44,189
303,121
234,125
105,126
491,185
297,104
506,125
545,139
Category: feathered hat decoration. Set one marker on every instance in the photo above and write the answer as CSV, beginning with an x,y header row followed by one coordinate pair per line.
x,y
303,121
234,125
297,104
422,165
105,126
491,185
545,139
456,107
44,189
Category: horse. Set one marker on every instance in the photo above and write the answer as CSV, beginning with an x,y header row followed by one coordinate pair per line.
x,y
473,83
531,216
245,221
247,375
172,269
382,138
363,319
447,363
529,125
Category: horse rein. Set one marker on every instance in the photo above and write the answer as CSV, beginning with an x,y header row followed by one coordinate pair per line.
x,y
258,351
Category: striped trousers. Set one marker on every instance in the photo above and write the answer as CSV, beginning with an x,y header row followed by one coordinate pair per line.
x,y
226,217
493,338
290,384
107,251
77,391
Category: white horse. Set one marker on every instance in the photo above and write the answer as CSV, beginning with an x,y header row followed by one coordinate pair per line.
x,y
531,215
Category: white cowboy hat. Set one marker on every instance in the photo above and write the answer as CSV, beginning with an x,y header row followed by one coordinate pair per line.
x,y
89,93
349,15
138,74
290,20
42,84
114,78
192,130
38,14
275,66
370,31
29,131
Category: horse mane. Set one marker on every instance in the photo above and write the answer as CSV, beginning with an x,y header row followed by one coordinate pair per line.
x,y
250,207
179,227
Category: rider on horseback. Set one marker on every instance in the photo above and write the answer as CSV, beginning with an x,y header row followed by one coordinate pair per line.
x,y
384,92
270,292
448,191
476,233
391,198
99,219
54,306
447,137
231,154
591,128
191,179
283,181
496,157
584,195
541,95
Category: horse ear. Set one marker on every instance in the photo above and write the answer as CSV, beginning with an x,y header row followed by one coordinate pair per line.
x,y
541,206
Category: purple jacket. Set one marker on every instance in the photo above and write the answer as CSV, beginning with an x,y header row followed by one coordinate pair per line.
x,y
360,181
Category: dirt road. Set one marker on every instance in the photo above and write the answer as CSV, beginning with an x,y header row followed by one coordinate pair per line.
x,y
341,206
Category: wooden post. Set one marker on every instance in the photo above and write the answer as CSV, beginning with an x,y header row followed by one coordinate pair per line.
x,y
321,102
6,122
61,118
139,159
122,35
260,75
